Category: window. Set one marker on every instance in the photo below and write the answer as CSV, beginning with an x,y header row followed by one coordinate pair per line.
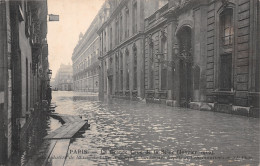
x,y
126,23
226,29
127,70
225,72
163,65
27,85
105,37
111,37
105,80
121,70
117,72
121,27
111,63
134,24
135,67
226,41
151,67
117,33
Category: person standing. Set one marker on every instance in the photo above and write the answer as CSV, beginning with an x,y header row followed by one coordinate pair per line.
x,y
48,94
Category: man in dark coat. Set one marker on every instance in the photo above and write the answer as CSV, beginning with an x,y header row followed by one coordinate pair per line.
x,y
48,94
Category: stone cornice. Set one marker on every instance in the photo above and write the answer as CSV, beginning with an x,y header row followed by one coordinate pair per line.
x,y
112,15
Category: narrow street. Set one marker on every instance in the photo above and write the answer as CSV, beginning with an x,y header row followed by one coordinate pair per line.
x,y
131,133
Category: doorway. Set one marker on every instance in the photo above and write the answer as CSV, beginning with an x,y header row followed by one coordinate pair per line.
x,y
110,84
185,49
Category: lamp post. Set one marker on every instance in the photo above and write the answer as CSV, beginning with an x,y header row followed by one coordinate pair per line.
x,y
49,72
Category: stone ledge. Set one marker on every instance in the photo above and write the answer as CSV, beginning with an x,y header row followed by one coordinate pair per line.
x,y
195,105
172,103
207,107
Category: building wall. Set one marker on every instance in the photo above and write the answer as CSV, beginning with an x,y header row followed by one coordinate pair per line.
x,y
121,36
17,82
187,71
26,60
5,84
203,20
244,54
64,78
85,60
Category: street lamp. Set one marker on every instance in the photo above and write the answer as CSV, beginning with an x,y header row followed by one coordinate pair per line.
x,y
176,49
49,73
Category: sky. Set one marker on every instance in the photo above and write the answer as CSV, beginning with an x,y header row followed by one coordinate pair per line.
x,y
63,36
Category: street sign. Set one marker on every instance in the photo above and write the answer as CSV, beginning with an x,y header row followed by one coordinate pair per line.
x,y
53,17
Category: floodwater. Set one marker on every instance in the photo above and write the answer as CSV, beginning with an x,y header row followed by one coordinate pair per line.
x,y
134,133
131,133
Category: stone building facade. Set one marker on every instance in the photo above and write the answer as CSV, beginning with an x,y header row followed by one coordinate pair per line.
x,y
85,60
64,78
121,48
23,69
204,55
200,54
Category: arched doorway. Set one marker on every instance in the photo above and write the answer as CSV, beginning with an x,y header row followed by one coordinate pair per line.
x,y
185,65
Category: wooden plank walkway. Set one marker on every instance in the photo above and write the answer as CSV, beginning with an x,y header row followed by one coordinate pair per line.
x,y
41,156
54,148
59,153
72,125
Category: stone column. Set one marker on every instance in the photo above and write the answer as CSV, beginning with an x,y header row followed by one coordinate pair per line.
x,y
172,73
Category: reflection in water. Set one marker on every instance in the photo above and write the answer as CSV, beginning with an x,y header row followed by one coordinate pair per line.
x,y
33,138
132,133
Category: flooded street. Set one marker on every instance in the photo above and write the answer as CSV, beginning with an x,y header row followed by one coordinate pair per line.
x,y
131,133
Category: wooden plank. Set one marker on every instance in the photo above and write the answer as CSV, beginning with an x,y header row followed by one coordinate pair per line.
x,y
76,128
77,118
71,118
53,143
59,153
69,129
42,154
65,131
57,131
65,119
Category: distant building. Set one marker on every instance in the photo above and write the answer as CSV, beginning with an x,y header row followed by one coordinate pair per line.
x,y
52,83
63,78
85,60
